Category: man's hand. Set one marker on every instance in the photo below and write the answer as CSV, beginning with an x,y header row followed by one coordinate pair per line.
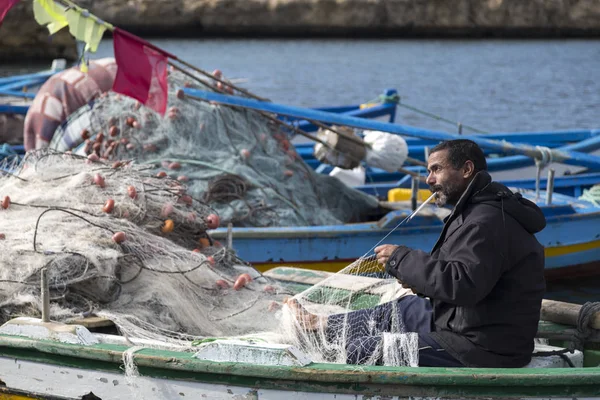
x,y
384,252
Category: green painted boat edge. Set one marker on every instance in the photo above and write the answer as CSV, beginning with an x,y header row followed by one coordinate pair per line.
x,y
333,378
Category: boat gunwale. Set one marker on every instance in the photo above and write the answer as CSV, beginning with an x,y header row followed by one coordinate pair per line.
x,y
182,361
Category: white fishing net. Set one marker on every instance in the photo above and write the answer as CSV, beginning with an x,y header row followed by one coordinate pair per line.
x,y
119,242
352,317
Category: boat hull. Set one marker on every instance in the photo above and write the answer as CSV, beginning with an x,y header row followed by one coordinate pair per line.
x,y
571,238
41,369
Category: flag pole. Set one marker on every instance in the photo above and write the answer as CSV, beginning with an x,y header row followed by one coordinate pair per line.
x,y
111,28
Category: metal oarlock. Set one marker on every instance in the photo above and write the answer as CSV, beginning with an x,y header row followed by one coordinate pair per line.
x,y
549,186
45,292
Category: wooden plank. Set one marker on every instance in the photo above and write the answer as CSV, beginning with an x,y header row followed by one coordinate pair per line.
x,y
92,322
565,313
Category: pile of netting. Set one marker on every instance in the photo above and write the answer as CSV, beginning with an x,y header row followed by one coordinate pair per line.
x,y
120,242
238,161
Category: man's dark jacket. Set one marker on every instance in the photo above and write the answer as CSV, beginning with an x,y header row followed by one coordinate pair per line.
x,y
484,276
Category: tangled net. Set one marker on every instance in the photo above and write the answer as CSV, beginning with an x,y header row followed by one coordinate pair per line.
x,y
238,160
354,318
121,242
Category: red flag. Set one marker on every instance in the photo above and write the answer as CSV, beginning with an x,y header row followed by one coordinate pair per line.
x,y
142,70
5,6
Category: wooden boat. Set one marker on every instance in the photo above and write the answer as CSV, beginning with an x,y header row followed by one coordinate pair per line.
x,y
57,361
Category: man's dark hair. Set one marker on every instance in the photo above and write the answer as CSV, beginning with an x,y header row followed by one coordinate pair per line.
x,y
462,150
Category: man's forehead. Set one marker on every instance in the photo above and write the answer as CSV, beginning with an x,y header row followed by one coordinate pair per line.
x,y
439,157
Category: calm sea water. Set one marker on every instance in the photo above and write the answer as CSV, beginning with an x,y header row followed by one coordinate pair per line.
x,y
492,85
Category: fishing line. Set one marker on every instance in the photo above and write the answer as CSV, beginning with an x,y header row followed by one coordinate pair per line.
x,y
408,218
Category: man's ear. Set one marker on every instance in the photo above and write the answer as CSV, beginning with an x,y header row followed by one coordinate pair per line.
x,y
468,169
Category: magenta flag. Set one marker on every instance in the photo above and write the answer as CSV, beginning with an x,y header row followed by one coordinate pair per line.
x,y
142,70
5,6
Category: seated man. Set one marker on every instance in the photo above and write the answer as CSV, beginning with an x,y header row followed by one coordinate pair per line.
x,y
481,286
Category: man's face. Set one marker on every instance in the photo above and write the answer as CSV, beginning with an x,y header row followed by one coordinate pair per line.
x,y
448,183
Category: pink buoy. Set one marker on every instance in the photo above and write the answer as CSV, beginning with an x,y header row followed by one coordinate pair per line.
x,y
119,237
6,202
245,153
222,284
166,210
186,199
109,206
212,221
99,180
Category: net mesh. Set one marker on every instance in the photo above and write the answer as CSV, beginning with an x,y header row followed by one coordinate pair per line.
x,y
352,317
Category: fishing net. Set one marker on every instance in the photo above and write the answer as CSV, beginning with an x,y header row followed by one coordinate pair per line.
x,y
352,317
119,242
238,161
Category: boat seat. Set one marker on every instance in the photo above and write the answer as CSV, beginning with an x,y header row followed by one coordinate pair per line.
x,y
554,361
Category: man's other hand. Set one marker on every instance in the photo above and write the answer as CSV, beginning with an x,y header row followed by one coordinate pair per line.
x,y
384,252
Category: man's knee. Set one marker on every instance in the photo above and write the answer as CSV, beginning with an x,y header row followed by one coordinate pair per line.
x,y
364,350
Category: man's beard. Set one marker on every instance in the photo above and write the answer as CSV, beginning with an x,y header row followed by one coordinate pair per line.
x,y
446,194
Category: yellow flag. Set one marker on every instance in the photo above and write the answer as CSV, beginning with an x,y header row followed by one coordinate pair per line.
x,y
50,15
85,29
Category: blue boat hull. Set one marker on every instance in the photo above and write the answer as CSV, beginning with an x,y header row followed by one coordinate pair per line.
x,y
571,238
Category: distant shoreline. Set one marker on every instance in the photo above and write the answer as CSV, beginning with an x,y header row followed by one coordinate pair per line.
x,y
22,38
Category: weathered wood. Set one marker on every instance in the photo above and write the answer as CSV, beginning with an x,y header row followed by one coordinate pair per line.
x,y
565,313
92,322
